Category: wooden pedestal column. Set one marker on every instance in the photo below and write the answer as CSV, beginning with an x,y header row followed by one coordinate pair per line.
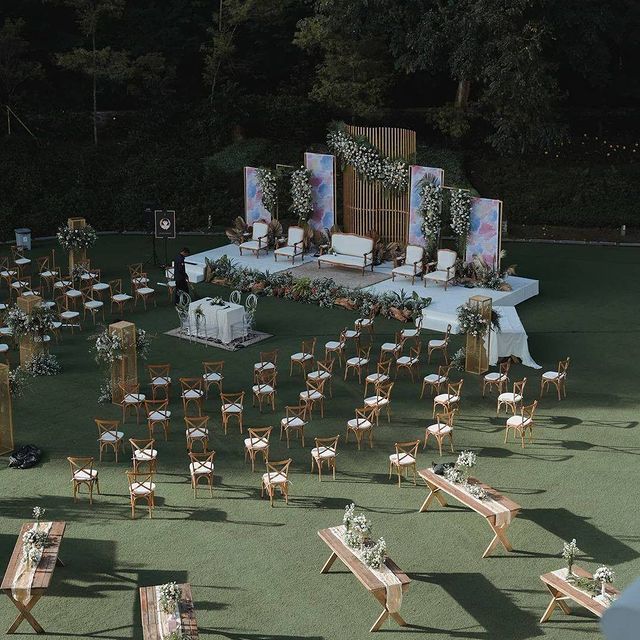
x,y
28,347
477,348
76,255
6,415
125,369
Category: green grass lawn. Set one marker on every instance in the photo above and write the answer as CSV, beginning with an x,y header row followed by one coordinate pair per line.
x,y
255,570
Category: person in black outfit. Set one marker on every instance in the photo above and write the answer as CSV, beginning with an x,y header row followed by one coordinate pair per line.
x,y
180,274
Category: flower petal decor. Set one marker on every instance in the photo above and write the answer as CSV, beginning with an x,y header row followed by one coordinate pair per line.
x,y
366,159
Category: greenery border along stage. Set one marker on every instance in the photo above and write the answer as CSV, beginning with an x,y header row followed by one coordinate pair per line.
x,y
324,292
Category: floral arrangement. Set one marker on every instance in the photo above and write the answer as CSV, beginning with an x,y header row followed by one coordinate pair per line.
x,y
38,512
357,536
460,211
73,239
482,274
43,364
108,347
430,210
33,544
36,324
458,473
604,575
18,382
366,159
324,292
301,194
569,553
216,302
169,597
105,395
459,359
268,183
471,322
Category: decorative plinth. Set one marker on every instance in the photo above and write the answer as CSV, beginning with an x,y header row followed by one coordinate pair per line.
x,y
124,370
477,347
28,346
76,255
6,412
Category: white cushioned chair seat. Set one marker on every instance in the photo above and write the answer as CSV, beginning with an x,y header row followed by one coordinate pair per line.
x,y
439,429
359,423
253,245
255,443
212,377
406,270
442,398
318,375
389,346
292,423
436,343
323,452
145,290
517,421
288,251
301,356
111,436
274,477
262,388
357,362
364,322
4,348
197,432
145,455
100,286
434,378
333,344
47,274
73,293
351,245
376,400
349,334
140,280
231,408
193,393
440,276
311,395
551,375
143,488
159,415
402,459
263,366
201,468
134,398
85,474
22,261
406,360
161,381
93,304
377,377
343,259
495,377
69,315
509,397
121,297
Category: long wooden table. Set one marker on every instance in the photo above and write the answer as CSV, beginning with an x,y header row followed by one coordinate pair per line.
x,y
439,485
41,579
561,591
365,575
149,607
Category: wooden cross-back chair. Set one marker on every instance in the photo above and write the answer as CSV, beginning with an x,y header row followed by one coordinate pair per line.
x,y
276,478
90,304
382,374
158,414
83,474
213,375
159,379
192,394
197,430
336,347
557,378
521,423
440,345
404,459
268,362
294,422
232,407
264,391
201,467
434,381
141,487
118,297
362,425
257,443
325,452
132,399
497,379
381,400
410,362
443,428
109,435
143,452
303,358
359,363
324,372
314,395
512,399
449,400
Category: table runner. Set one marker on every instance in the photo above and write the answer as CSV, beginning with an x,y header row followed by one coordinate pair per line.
x,y
502,513
562,574
25,573
167,622
392,583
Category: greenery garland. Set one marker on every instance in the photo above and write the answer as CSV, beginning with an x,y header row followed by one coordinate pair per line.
x,y
35,325
268,183
366,159
460,211
74,239
430,210
301,194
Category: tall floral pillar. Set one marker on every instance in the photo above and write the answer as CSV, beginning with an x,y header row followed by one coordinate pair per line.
x,y
76,255
6,415
477,348
124,369
28,346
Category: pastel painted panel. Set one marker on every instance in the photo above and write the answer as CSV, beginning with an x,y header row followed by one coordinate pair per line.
x,y
253,207
415,220
484,231
323,186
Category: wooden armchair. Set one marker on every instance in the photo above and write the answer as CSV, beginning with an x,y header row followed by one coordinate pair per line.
x,y
443,270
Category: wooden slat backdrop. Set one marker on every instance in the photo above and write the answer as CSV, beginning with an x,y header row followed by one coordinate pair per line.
x,y
366,205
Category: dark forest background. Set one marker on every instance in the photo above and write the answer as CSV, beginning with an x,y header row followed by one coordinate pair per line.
x,y
535,102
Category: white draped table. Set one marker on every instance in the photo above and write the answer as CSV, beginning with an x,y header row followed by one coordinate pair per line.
x,y
219,322
511,340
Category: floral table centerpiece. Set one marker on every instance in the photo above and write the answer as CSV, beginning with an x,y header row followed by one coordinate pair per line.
x,y
357,536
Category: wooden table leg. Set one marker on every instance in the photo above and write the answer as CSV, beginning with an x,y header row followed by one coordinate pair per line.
x,y
499,537
398,618
59,562
557,600
25,614
380,621
433,493
328,563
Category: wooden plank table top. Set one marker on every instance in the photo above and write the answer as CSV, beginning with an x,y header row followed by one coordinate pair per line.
x,y
364,574
561,590
148,610
439,484
42,578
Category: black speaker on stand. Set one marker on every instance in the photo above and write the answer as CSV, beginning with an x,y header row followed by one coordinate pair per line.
x,y
148,219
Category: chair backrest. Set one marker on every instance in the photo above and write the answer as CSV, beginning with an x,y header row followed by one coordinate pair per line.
x,y
366,413
156,405
364,352
414,352
529,411
251,303
446,417
115,286
296,411
518,387
351,244
413,254
43,263
184,300
139,282
87,292
135,270
81,463
141,444
383,389
504,367
269,356
260,230
266,377
328,443
106,426
158,370
563,366
139,480
129,387
309,346
455,388
326,365
280,467
443,370
233,398
407,449
235,296
205,456
446,258
447,334
316,385
295,234
196,422
213,366
191,384
261,434
384,367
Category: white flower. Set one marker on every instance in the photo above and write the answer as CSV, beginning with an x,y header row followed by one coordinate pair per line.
x,y
604,574
467,459
170,595
375,554
570,550
38,512
460,209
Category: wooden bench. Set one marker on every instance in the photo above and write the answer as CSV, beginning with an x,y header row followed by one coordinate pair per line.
x,y
561,591
149,613
365,575
439,485
41,579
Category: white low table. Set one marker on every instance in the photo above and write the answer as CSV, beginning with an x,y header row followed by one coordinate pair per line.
x,y
222,323
511,340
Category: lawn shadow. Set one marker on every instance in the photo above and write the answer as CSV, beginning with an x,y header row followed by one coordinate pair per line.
x,y
567,525
482,601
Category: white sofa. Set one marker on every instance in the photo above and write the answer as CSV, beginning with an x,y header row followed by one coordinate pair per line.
x,y
259,239
349,250
445,268
294,246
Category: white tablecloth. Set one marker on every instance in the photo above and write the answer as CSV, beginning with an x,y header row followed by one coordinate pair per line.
x,y
223,323
511,340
